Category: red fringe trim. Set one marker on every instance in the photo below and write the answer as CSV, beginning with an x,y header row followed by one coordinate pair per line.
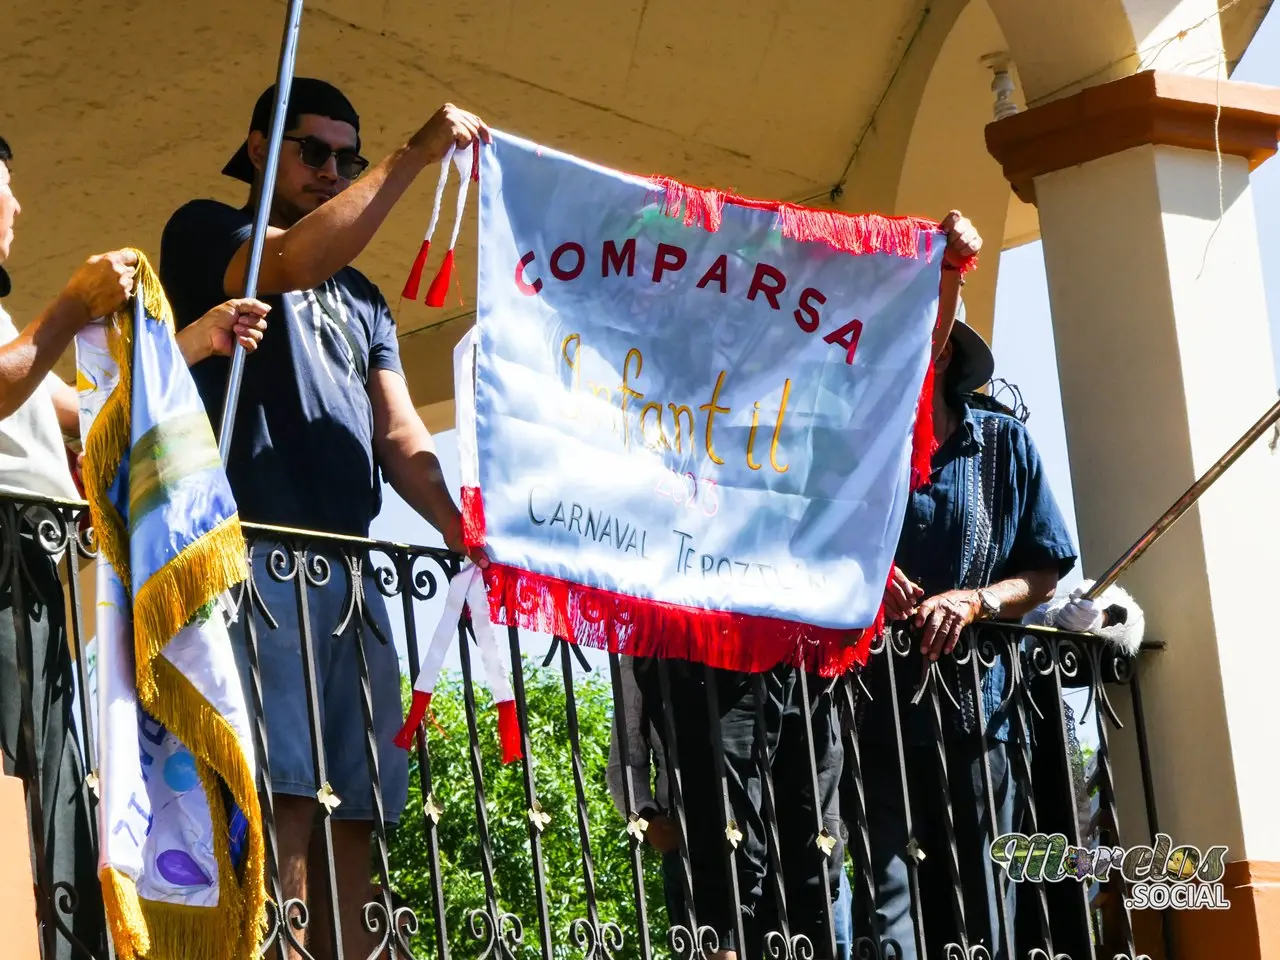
x,y
692,204
856,233
439,288
417,713
472,517
611,621
922,439
509,732
411,285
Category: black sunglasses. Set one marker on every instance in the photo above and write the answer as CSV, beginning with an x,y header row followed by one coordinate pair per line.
x,y
316,153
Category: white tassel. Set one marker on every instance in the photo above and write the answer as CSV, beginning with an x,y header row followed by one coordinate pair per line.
x,y
495,670
439,200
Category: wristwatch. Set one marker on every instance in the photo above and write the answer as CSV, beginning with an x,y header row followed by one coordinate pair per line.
x,y
990,605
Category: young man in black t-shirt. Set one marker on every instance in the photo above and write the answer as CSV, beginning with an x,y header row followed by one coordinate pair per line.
x,y
323,411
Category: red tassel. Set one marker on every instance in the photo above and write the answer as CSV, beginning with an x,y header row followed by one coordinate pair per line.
x,y
417,713
440,285
411,285
922,440
414,280
509,732
472,517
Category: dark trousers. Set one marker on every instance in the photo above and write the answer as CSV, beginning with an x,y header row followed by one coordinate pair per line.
x,y
891,844
784,744
49,764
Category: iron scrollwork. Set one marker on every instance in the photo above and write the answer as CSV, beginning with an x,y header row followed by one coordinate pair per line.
x,y
501,939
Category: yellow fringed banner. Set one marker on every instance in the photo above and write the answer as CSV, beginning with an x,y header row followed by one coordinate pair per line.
x,y
158,908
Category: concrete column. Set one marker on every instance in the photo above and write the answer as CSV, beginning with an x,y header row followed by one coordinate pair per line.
x,y
1165,359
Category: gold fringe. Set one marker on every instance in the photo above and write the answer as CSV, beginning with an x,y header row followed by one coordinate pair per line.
x,y
108,438
190,933
124,914
161,607
172,595
104,449
211,739
233,906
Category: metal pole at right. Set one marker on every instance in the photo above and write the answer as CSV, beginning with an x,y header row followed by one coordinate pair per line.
x,y
1184,502
266,190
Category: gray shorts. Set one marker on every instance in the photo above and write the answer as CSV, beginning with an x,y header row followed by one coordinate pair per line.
x,y
337,678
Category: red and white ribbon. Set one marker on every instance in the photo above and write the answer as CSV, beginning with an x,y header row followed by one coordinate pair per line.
x,y
464,393
465,162
411,285
466,590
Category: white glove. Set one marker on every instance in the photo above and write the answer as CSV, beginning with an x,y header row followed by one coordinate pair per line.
x,y
1080,615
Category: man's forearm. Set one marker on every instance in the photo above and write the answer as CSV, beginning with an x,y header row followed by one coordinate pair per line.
x,y
1022,593
27,360
335,233
948,303
193,344
417,477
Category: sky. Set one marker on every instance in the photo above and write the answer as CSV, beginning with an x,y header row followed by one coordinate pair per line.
x,y
1022,343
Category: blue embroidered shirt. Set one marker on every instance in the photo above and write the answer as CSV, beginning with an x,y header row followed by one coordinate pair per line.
x,y
941,548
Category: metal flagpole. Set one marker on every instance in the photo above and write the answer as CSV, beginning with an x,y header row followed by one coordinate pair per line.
x,y
284,83
1184,502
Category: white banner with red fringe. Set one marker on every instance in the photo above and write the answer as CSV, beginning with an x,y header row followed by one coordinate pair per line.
x,y
693,424
694,414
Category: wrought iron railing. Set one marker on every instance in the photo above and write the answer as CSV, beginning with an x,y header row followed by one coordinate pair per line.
x,y
507,875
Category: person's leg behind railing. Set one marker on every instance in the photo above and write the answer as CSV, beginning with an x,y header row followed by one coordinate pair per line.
x,y
806,855
355,824
296,794
703,799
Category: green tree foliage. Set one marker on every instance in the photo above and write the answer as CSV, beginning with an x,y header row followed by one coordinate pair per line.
x,y
461,850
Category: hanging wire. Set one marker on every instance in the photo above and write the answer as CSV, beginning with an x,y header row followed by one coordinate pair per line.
x,y
1145,57
465,315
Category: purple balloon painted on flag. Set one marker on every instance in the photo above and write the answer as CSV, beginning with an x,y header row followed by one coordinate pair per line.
x,y
178,867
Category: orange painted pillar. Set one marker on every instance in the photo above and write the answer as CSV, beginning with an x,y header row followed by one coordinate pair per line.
x,y
17,889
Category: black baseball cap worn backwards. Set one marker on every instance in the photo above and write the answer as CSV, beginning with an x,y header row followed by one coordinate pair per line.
x,y
306,95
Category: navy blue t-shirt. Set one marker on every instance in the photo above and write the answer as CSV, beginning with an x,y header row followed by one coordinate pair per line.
x,y
302,450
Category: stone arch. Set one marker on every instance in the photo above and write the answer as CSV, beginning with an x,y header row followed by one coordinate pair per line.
x,y
1062,48
946,165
